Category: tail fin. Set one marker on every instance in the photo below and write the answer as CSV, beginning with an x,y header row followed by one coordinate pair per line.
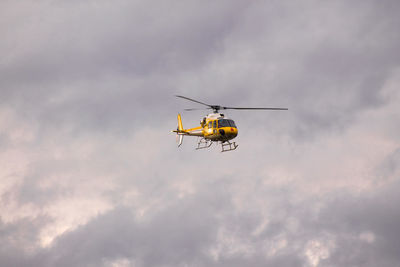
x,y
180,128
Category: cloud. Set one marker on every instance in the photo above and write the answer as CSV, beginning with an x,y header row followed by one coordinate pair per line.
x,y
90,173
364,227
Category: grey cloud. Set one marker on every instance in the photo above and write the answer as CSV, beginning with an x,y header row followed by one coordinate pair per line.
x,y
389,168
325,83
177,235
348,217
84,39
88,78
18,240
183,233
83,50
327,62
185,230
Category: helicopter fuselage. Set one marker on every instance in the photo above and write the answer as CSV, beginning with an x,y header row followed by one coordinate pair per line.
x,y
216,127
213,127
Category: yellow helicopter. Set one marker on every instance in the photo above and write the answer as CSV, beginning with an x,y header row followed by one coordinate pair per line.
x,y
214,128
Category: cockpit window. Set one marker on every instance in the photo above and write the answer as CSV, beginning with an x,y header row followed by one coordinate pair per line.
x,y
232,123
210,125
226,123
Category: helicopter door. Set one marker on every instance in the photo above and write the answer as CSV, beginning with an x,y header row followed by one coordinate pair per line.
x,y
209,131
215,127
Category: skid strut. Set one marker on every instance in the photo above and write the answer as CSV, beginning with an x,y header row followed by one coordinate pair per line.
x,y
203,143
228,146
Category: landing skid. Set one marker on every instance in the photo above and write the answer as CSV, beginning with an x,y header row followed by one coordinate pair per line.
x,y
203,143
228,146
206,143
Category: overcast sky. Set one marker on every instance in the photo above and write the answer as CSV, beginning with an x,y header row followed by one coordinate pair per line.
x,y
90,174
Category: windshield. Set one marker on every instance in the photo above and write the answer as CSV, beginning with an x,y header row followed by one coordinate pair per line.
x,y
226,123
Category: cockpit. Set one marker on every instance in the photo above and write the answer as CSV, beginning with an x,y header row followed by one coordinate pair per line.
x,y
226,123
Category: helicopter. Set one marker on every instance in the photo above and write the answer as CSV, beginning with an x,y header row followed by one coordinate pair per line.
x,y
214,128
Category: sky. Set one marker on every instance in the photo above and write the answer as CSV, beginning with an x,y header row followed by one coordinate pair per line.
x,y
91,175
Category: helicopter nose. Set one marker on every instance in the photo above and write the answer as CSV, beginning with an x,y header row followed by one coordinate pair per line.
x,y
228,132
233,132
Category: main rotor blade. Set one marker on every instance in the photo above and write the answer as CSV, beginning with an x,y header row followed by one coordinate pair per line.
x,y
217,107
187,98
190,109
255,108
